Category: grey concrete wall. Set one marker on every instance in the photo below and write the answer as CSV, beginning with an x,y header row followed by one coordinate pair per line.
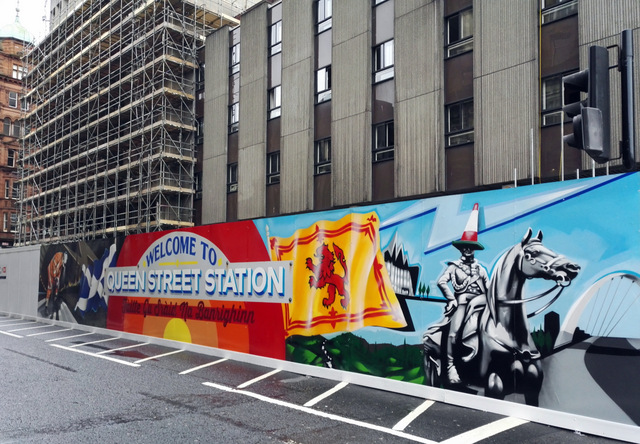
x,y
351,102
216,116
419,155
253,114
505,85
600,23
296,191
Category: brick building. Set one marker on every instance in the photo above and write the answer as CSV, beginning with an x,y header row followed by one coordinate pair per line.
x,y
13,41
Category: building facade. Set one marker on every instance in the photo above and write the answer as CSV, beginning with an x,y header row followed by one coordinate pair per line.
x,y
323,104
112,124
14,39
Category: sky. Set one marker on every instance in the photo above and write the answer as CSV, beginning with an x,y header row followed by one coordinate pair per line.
x,y
31,12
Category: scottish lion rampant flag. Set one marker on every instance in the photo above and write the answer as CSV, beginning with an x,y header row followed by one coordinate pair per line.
x,y
340,282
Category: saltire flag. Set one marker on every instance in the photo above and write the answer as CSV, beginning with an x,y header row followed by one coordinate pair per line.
x,y
340,282
92,296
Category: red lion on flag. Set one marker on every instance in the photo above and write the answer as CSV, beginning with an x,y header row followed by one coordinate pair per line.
x,y
324,274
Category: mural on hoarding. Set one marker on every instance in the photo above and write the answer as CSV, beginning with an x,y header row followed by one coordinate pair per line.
x,y
529,294
71,286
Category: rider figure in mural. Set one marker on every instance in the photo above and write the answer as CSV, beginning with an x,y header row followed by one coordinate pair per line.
x,y
469,281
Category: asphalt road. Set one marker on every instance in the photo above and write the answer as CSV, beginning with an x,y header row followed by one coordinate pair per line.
x,y
61,385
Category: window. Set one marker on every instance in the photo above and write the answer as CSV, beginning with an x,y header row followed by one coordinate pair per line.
x,y
11,158
13,99
24,104
553,10
197,185
19,72
17,126
275,38
200,76
5,222
322,156
383,61
273,167
232,178
275,102
16,190
459,123
234,59
7,189
323,84
551,100
460,33
6,127
199,132
383,141
14,222
234,117
325,12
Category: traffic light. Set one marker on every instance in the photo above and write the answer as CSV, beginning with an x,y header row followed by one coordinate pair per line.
x,y
591,117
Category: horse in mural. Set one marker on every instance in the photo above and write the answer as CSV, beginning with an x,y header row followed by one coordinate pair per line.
x,y
494,349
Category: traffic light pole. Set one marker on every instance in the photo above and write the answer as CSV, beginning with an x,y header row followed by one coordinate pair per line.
x,y
625,66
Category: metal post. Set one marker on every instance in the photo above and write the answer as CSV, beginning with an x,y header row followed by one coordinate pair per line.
x,y
625,66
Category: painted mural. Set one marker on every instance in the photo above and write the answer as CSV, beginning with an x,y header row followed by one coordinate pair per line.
x,y
71,284
528,294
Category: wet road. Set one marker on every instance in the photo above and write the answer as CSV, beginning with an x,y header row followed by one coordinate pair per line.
x,y
62,385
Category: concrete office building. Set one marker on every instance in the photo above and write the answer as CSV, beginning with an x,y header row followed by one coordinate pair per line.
x,y
137,123
111,141
317,104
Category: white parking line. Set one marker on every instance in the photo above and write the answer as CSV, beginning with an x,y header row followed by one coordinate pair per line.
x,y
122,348
486,431
326,415
93,342
203,366
19,323
259,378
10,334
68,337
326,394
31,328
108,358
49,332
139,361
404,422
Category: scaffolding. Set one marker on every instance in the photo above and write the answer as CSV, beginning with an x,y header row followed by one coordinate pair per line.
x,y
109,144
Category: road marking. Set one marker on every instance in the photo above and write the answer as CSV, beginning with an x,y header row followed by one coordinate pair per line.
x,y
486,431
203,366
326,394
259,378
404,422
122,348
93,342
49,332
108,358
32,328
326,415
10,334
139,361
68,337
20,323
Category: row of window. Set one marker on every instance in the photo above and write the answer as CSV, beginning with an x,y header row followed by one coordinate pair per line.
x,y
11,192
19,72
14,98
11,158
14,222
10,128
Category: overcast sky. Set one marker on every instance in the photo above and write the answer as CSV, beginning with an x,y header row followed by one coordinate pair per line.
x,y
31,12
